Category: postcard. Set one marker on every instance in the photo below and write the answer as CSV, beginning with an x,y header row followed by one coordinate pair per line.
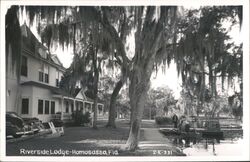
x,y
124,80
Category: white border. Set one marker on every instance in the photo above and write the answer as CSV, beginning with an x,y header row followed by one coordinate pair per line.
x,y
245,29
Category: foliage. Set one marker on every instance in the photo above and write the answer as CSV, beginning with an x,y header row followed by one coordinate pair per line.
x,y
212,106
197,45
216,106
106,86
161,120
13,39
204,53
204,42
122,102
160,100
79,118
235,104
86,117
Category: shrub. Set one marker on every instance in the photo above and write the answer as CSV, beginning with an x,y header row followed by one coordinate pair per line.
x,y
79,118
160,120
86,117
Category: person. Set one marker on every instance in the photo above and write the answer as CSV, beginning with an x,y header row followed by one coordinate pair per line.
x,y
175,120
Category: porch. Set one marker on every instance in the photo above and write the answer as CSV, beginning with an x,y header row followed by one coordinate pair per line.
x,y
68,105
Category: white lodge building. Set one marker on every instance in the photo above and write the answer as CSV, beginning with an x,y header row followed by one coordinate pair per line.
x,y
38,94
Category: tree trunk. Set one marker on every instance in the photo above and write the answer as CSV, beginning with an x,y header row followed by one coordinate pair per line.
x,y
211,80
96,67
96,78
214,85
112,107
150,112
139,85
146,47
95,114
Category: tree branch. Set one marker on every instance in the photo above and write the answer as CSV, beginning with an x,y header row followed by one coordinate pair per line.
x,y
206,73
112,31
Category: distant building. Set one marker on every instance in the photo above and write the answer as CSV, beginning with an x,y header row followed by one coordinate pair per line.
x,y
37,93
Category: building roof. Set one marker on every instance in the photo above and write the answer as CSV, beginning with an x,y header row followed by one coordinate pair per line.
x,y
54,90
77,90
56,60
89,99
32,44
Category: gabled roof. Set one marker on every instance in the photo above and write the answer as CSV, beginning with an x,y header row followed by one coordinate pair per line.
x,y
32,44
56,60
77,90
85,95
89,99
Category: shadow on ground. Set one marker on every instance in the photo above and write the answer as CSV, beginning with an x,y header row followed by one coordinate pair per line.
x,y
86,139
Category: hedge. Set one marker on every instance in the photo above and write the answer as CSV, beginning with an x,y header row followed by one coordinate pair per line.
x,y
160,120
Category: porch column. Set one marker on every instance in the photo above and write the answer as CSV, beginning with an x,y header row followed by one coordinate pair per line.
x,y
62,100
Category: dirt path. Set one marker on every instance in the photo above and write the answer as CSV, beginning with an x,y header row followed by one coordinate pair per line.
x,y
152,137
155,143
153,134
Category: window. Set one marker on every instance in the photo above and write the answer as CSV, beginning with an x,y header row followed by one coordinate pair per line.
x,y
40,76
44,73
24,66
46,78
25,106
52,110
57,78
46,107
42,53
40,106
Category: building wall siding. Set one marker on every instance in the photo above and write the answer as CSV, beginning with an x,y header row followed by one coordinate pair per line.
x,y
26,92
43,94
34,65
15,92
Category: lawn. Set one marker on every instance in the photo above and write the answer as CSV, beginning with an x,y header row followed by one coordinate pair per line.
x,y
86,141
77,139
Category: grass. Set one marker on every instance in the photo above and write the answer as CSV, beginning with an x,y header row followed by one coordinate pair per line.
x,y
87,139
77,138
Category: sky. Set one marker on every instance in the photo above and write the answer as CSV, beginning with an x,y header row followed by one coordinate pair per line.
x,y
169,78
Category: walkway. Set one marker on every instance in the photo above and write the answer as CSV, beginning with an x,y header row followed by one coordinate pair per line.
x,y
155,143
151,132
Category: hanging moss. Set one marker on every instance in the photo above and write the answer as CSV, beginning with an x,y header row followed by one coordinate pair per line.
x,y
47,36
13,38
63,35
